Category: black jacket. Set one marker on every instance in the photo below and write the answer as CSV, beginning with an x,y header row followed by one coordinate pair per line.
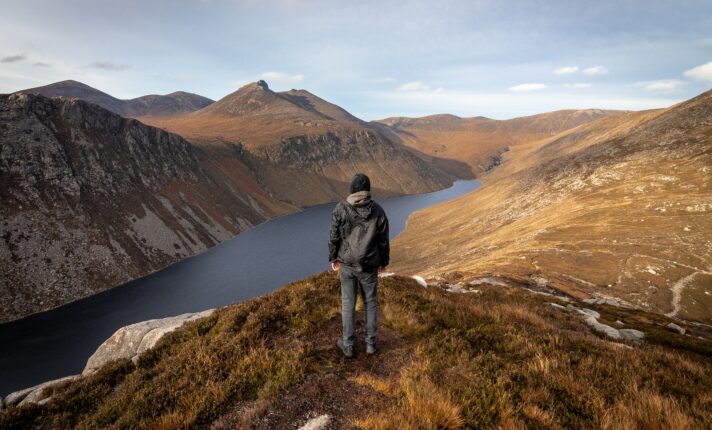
x,y
359,235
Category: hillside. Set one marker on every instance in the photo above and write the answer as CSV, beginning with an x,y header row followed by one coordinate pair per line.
x,y
491,357
303,149
161,106
617,210
480,141
91,200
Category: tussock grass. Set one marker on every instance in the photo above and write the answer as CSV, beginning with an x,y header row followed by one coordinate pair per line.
x,y
504,359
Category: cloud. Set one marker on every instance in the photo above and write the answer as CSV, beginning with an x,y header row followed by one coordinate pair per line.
x,y
384,80
413,86
107,65
663,85
567,70
280,77
13,58
523,88
579,85
41,64
595,71
700,73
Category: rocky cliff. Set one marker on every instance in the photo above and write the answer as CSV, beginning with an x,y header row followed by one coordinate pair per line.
x,y
91,200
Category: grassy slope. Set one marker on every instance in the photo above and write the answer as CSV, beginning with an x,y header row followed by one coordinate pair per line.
x,y
503,358
618,208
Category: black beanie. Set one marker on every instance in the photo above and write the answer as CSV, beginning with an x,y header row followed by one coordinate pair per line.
x,y
360,182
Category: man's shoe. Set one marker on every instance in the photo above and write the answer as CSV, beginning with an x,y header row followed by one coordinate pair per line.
x,y
347,350
371,349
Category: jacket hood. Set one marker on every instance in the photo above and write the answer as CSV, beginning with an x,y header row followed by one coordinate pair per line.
x,y
361,201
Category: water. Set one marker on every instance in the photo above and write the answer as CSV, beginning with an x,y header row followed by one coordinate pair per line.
x,y
58,343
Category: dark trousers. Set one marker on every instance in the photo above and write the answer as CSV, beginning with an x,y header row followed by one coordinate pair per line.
x,y
350,280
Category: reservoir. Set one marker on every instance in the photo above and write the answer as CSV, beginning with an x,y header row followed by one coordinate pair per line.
x,y
58,342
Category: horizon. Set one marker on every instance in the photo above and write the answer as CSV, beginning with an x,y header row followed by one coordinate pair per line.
x,y
375,60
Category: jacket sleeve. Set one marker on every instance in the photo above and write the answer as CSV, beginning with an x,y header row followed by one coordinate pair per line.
x,y
384,248
335,234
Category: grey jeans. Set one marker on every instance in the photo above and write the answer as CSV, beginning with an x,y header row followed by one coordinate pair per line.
x,y
350,280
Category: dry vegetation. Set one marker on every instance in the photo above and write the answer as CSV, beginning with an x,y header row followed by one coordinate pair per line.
x,y
503,358
479,141
618,208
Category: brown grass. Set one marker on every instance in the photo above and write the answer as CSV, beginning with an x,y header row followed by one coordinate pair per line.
x,y
503,358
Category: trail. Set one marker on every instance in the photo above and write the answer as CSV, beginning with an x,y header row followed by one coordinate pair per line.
x,y
677,289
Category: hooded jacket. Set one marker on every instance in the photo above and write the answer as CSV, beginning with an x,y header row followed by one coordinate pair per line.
x,y
359,233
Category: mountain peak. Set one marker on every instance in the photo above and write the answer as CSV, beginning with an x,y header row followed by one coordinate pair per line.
x,y
262,84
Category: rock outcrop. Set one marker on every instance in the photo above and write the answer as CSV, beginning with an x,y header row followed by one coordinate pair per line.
x,y
128,342
132,340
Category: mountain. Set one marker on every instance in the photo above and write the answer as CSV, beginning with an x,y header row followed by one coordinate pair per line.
x,y
614,210
173,104
302,149
91,200
480,141
488,356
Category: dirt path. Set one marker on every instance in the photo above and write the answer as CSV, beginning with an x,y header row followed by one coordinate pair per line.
x,y
328,387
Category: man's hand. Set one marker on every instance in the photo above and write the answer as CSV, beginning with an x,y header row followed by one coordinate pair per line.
x,y
381,269
335,265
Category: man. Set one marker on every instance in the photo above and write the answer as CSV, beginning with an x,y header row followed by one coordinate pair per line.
x,y
358,249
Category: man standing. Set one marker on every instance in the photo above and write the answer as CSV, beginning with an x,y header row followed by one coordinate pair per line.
x,y
358,249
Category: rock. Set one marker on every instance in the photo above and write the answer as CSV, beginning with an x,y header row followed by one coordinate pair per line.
x,y
631,335
34,394
318,423
420,280
132,340
386,274
557,306
674,327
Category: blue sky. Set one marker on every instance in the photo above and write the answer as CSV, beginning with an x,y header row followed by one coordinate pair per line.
x,y
499,59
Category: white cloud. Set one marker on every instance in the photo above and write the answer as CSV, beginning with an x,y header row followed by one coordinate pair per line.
x,y
413,86
579,85
280,77
595,71
107,65
522,88
663,85
700,73
41,64
567,70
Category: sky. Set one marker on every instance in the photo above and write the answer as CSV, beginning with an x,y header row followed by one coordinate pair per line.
x,y
376,59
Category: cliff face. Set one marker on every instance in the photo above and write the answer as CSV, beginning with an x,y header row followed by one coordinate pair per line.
x,y
91,200
303,149
616,209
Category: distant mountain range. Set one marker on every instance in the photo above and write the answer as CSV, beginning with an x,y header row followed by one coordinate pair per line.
x,y
177,103
479,141
303,149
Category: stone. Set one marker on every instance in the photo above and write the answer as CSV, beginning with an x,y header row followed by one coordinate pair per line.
x,y
631,335
34,394
674,327
318,423
132,340
420,280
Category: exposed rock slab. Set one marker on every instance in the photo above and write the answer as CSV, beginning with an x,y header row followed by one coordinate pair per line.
x,y
132,340
33,394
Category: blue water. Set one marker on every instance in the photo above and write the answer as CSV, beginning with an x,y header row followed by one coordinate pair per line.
x,y
57,343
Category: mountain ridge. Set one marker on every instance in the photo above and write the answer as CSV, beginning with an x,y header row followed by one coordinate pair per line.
x,y
173,104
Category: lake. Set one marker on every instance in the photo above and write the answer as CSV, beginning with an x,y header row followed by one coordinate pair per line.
x,y
58,342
